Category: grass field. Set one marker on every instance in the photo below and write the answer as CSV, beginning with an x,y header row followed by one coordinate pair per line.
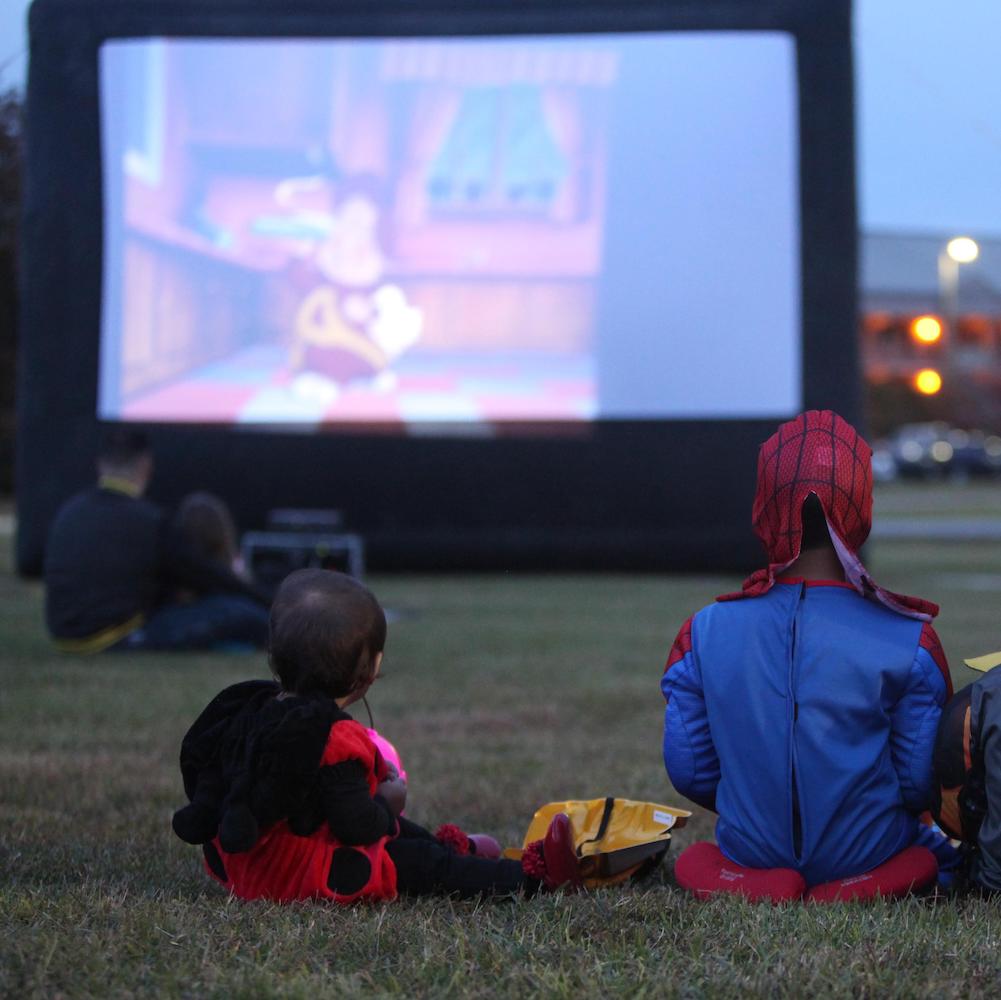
x,y
501,693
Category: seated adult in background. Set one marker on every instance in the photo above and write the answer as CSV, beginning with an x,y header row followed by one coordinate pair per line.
x,y
803,709
114,564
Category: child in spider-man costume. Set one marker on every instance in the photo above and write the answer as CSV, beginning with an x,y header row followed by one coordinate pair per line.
x,y
803,709
290,798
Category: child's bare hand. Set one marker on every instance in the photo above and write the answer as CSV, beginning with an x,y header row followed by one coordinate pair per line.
x,y
394,791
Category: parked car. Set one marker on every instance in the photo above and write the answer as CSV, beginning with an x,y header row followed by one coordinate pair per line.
x,y
936,450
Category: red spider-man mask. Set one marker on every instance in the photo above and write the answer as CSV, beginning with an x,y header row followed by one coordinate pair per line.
x,y
819,453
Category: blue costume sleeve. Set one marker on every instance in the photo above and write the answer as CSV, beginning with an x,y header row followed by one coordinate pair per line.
x,y
914,720
689,754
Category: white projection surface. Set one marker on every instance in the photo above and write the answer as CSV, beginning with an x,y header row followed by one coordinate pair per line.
x,y
468,232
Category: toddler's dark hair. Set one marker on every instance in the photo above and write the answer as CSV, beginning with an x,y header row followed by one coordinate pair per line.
x,y
326,631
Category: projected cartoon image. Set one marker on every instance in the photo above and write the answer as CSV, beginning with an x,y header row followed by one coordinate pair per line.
x,y
466,232
328,232
351,328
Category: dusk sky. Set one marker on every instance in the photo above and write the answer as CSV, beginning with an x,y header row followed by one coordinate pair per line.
x,y
927,107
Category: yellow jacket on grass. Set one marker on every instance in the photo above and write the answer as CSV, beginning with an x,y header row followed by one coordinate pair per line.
x,y
615,838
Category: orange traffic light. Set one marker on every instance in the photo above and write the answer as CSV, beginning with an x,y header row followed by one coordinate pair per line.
x,y
926,329
927,381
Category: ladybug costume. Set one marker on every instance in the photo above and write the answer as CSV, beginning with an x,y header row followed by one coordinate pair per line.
x,y
283,799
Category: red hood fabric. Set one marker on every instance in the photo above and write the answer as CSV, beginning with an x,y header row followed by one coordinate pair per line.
x,y
819,452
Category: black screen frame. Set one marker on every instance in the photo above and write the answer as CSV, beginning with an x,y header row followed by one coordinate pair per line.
x,y
653,494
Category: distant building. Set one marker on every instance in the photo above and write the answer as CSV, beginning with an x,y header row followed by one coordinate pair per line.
x,y
923,313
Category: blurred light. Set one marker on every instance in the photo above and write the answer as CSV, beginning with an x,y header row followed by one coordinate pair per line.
x,y
959,438
993,446
911,451
927,329
928,381
962,249
941,451
884,468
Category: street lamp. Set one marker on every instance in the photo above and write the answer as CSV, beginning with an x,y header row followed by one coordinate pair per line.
x,y
960,250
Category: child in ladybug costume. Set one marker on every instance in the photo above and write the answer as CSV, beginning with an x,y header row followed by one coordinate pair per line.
x,y
291,799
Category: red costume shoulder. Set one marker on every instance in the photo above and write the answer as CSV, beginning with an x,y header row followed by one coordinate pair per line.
x,y
348,740
682,645
930,641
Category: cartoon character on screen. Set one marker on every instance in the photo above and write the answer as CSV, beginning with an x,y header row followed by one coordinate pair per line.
x,y
352,327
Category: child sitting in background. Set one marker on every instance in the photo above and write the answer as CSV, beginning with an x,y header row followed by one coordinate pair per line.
x,y
291,799
205,521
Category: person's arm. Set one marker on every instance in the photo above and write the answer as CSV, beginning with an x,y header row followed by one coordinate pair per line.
x,y
393,789
689,753
914,720
182,566
353,814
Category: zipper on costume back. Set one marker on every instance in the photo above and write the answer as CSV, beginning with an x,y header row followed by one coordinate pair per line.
x,y
796,820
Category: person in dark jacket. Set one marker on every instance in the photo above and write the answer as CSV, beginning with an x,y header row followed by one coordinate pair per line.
x,y
115,563
967,766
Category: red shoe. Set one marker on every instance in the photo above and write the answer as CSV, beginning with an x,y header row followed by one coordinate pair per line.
x,y
562,866
912,870
553,860
484,846
480,844
704,870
